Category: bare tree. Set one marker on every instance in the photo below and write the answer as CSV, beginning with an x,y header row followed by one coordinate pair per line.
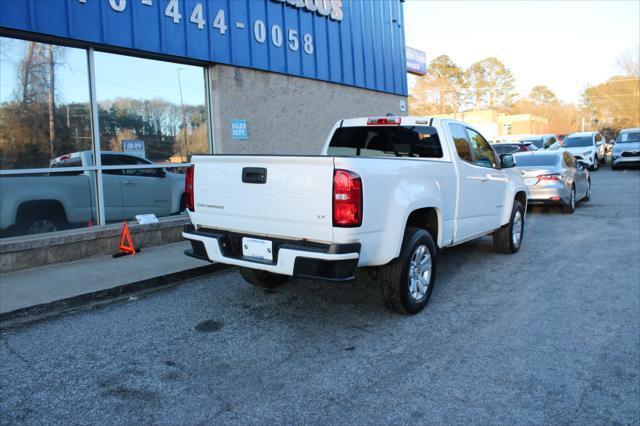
x,y
629,61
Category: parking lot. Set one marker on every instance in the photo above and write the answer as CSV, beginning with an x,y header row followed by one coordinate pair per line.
x,y
549,335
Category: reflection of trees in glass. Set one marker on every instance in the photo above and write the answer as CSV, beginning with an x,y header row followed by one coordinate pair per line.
x,y
33,126
158,123
36,125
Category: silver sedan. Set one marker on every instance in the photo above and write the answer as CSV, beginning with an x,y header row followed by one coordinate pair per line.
x,y
554,178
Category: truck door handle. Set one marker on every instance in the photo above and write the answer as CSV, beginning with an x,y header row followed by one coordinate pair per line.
x,y
254,175
129,182
480,178
496,177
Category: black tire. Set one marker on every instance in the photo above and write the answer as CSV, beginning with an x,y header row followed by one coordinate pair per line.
x,y
503,238
40,224
571,206
614,167
262,279
596,164
587,196
395,283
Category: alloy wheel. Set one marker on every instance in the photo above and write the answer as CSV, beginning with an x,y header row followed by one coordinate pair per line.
x,y
419,272
516,230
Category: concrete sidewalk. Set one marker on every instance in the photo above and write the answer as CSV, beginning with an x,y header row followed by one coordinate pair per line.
x,y
21,290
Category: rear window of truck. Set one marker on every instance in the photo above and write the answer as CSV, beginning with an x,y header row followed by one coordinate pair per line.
x,y
386,141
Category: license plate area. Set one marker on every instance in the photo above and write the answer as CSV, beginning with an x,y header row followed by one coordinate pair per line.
x,y
257,249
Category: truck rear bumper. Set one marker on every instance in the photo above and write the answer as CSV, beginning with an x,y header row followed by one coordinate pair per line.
x,y
333,262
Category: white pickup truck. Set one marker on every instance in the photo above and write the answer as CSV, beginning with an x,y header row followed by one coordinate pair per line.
x,y
387,194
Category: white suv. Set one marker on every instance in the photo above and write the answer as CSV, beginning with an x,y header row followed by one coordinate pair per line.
x,y
586,146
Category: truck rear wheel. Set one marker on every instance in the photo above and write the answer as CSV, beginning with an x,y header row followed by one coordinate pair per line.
x,y
407,282
508,238
262,279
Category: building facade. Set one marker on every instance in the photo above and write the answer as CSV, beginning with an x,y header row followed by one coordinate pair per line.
x,y
103,102
495,125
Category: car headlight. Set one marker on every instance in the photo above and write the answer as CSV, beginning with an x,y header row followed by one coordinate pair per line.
x,y
586,153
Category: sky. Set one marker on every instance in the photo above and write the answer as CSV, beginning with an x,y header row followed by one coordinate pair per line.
x,y
565,45
116,76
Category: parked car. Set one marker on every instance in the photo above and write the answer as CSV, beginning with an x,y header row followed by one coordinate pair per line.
x,y
55,201
586,146
386,193
540,141
626,149
560,138
554,178
511,148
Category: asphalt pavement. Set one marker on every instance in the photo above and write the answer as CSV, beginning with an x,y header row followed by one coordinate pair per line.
x,y
550,335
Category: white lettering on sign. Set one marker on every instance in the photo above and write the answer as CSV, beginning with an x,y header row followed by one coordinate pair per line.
x,y
197,16
331,8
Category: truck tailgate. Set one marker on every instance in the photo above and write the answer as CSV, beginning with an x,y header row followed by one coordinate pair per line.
x,y
294,201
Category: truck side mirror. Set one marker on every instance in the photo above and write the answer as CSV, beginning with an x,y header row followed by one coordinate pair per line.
x,y
507,161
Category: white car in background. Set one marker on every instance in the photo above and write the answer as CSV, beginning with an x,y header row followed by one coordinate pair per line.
x,y
586,146
626,148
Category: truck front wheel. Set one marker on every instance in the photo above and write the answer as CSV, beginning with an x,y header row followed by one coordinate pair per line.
x,y
262,279
407,282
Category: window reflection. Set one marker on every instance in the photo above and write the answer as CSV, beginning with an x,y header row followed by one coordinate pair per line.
x,y
44,103
161,104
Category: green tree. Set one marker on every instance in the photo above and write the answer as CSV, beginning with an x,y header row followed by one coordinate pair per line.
x,y
489,84
440,90
542,95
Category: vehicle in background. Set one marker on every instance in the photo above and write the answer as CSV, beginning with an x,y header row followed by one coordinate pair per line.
x,y
561,138
554,178
510,148
62,200
626,149
556,146
386,193
586,146
540,141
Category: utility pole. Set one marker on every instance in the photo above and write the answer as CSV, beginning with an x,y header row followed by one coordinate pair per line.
x,y
184,121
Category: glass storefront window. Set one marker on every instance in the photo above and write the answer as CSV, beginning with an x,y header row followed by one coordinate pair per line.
x,y
160,104
148,112
44,103
36,203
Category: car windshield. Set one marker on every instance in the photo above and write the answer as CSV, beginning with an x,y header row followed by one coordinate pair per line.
x,y
527,160
628,137
504,148
535,141
573,141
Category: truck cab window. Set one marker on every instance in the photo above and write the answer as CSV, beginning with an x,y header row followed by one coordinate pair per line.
x,y
461,140
386,141
482,153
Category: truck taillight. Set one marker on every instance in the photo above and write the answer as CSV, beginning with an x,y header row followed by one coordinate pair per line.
x,y
188,188
347,199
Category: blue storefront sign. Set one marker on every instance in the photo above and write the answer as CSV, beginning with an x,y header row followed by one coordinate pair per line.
x,y
416,61
239,130
353,42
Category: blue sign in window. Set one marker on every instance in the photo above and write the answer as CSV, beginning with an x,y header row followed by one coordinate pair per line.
x,y
239,129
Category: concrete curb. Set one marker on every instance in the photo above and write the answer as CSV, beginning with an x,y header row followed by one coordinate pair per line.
x,y
36,313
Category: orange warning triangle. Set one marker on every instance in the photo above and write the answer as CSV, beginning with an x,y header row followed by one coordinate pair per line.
x,y
126,244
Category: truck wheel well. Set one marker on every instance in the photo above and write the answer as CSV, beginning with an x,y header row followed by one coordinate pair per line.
x,y
427,219
522,197
41,208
